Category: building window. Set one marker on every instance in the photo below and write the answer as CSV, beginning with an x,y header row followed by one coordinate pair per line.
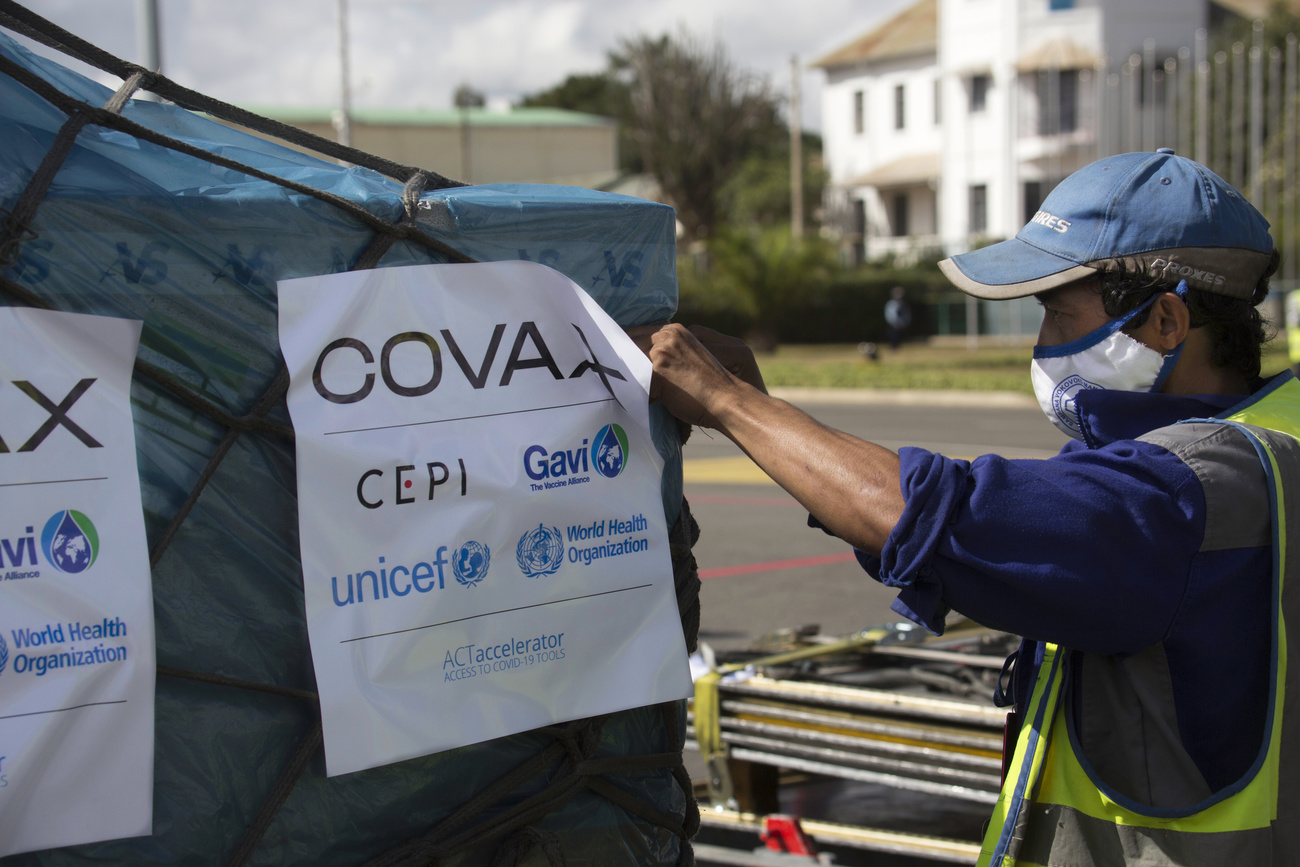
x,y
979,92
899,116
938,101
1035,192
859,112
1058,101
979,209
1057,5
900,215
1033,198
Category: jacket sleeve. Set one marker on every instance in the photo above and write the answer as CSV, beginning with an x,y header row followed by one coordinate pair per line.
x,y
1091,548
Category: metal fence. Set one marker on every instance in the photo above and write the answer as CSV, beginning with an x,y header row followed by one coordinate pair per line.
x,y
1230,106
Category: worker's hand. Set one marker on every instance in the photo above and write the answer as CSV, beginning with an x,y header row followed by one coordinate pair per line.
x,y
696,370
732,353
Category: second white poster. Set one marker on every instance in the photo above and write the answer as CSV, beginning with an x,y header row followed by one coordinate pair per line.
x,y
483,541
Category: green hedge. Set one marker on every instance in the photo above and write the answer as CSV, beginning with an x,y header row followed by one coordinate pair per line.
x,y
847,308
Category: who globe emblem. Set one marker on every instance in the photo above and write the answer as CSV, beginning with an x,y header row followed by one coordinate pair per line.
x,y
70,541
4,654
471,563
540,552
609,451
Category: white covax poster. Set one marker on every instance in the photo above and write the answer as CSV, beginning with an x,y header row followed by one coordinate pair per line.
x,y
484,548
76,606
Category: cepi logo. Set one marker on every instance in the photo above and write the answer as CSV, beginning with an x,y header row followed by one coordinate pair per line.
x,y
540,552
471,562
70,541
609,451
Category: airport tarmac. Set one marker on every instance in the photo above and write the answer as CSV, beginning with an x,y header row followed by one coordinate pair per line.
x,y
764,569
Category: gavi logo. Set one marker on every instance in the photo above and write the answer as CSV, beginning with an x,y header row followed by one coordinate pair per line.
x,y
606,453
70,542
609,451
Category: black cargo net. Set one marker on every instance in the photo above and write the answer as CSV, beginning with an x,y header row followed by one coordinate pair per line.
x,y
569,761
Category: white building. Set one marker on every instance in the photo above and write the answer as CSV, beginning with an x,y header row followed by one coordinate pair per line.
x,y
947,125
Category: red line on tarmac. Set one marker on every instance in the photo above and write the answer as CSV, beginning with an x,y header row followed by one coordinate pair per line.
x,y
776,565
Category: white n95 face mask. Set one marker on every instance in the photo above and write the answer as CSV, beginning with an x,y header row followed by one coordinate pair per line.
x,y
1106,358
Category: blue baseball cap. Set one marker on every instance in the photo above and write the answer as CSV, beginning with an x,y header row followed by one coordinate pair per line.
x,y
1152,213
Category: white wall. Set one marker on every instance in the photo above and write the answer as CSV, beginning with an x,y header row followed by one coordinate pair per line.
x,y
851,155
995,147
1171,23
977,37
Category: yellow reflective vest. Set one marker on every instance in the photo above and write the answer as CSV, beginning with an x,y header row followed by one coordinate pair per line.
x,y
1056,811
1292,316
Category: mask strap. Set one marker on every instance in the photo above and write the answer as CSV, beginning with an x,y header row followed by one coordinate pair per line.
x,y
1172,357
1092,338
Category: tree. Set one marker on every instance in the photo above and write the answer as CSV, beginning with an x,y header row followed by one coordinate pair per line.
x,y
758,192
601,93
1279,22
765,275
710,133
694,118
468,97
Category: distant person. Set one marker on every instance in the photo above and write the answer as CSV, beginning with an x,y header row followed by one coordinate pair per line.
x,y
898,315
1153,566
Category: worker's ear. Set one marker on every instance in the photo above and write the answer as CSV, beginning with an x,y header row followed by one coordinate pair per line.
x,y
1167,323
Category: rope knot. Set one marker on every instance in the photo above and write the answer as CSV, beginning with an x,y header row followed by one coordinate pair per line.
x,y
414,188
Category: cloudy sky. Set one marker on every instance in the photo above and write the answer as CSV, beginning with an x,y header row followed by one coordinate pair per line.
x,y
413,53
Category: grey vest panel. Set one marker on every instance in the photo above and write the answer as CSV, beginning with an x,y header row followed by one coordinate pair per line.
x,y
1237,512
1063,837
1235,485
1127,723
1286,829
1128,729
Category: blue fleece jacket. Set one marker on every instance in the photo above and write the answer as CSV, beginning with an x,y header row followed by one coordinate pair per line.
x,y
1097,550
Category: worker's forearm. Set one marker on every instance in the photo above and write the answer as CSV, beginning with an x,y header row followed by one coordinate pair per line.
x,y
849,484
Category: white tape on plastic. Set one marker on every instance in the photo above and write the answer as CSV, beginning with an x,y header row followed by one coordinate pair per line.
x,y
483,541
76,608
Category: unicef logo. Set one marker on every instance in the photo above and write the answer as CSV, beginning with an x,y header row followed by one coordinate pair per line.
x,y
70,541
470,563
609,451
1063,400
540,552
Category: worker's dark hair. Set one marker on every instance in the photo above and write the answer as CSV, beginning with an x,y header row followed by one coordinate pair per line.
x,y
1238,330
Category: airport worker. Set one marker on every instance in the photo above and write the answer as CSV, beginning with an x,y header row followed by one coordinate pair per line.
x,y
898,315
1151,566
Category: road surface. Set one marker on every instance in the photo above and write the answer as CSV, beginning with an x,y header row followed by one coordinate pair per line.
x,y
763,569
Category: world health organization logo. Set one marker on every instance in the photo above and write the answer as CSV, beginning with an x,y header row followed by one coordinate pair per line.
x,y
4,654
540,552
609,451
70,541
470,563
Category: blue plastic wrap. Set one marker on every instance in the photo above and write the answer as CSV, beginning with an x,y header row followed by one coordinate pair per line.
x,y
132,229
